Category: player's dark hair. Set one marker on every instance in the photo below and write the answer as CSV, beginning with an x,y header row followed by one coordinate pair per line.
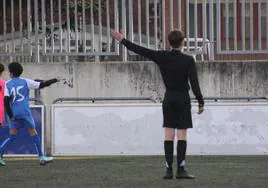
x,y
2,68
175,38
15,68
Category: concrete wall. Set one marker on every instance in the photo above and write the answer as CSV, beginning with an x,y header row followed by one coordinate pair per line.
x,y
143,79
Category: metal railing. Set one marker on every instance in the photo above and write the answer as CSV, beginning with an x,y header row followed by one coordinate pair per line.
x,y
216,99
242,27
80,29
58,28
37,101
94,99
118,99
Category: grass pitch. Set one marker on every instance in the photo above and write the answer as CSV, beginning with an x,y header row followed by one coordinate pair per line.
x,y
136,172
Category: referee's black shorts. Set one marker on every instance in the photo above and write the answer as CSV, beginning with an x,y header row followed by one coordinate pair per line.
x,y
177,110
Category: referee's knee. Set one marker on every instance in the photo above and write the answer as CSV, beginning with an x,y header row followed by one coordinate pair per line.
x,y
182,134
169,134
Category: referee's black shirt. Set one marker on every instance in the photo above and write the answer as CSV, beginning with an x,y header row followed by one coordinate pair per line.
x,y
176,68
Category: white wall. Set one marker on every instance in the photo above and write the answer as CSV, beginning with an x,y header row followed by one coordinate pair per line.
x,y
136,129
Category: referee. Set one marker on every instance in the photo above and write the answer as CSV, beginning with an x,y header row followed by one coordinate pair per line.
x,y
176,69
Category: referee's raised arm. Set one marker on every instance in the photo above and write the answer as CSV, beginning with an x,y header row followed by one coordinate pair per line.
x,y
145,52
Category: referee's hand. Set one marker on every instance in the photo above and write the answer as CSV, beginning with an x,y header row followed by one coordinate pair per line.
x,y
200,109
117,35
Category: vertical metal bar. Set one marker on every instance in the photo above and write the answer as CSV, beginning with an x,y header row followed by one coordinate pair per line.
x,y
12,27
155,25
171,14
179,15
259,26
243,34
92,26
84,26
211,23
29,26
52,25
21,26
44,40
251,25
147,24
235,23
68,25
195,25
130,21
116,24
227,24
218,9
139,20
204,21
124,27
100,26
266,26
164,24
76,26
108,25
37,49
4,25
187,24
60,25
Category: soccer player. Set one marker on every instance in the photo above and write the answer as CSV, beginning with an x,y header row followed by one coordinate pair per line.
x,y
2,93
18,110
176,69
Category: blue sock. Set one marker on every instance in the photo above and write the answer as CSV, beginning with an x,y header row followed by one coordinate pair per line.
x,y
5,144
37,143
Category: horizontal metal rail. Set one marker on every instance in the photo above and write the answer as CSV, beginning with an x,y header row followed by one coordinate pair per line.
x,y
216,99
37,101
93,99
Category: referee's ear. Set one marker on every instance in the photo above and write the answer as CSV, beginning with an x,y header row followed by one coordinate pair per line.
x,y
182,44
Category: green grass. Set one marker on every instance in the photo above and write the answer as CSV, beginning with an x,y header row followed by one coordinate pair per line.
x,y
127,172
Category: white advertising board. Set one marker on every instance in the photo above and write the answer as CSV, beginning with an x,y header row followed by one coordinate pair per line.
x,y
136,129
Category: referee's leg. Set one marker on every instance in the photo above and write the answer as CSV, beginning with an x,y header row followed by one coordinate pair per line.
x,y
169,147
181,155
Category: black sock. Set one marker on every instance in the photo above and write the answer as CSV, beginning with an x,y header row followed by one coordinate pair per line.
x,y
181,152
169,147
